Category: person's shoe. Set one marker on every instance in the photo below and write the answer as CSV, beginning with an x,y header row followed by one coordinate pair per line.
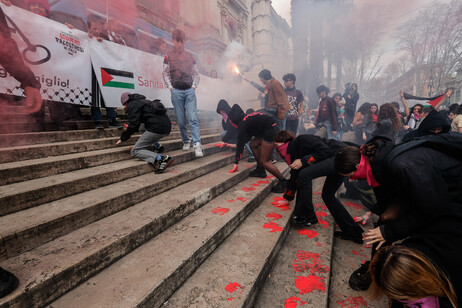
x,y
344,236
186,146
348,196
259,172
280,187
99,126
164,163
303,222
198,149
251,160
8,282
115,124
361,278
159,149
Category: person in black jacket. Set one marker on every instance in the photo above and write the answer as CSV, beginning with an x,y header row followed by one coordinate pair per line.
x,y
420,186
229,134
311,157
262,128
154,116
351,97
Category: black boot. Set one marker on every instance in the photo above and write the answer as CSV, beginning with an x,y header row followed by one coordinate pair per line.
x,y
8,282
361,279
280,187
259,172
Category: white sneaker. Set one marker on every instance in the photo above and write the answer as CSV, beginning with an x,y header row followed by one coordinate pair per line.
x,y
186,146
198,149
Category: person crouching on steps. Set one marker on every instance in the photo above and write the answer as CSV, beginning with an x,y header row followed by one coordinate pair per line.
x,y
262,128
154,116
311,157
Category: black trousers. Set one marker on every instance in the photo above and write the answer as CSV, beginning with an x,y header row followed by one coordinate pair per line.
x,y
304,199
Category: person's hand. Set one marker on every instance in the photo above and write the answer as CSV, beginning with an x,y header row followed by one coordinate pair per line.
x,y
235,169
334,132
297,164
119,142
69,25
364,137
364,218
374,236
349,96
171,89
33,100
406,127
99,39
6,2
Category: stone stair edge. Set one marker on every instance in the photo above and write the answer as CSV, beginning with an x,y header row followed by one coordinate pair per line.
x,y
196,201
21,195
74,211
186,264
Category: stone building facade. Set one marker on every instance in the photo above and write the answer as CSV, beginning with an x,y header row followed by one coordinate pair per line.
x,y
211,25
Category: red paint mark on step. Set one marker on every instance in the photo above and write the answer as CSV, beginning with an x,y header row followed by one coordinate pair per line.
x,y
309,262
318,244
247,189
320,206
232,287
231,298
269,177
316,192
291,302
263,182
352,302
310,284
242,199
248,166
273,226
220,210
274,215
353,205
308,233
277,199
321,214
355,252
232,200
255,184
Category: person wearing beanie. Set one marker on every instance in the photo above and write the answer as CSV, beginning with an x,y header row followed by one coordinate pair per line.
x,y
158,125
259,129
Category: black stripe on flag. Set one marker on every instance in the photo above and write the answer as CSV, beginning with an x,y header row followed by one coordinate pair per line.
x,y
114,72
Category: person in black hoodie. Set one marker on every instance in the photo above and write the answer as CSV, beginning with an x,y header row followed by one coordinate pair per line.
x,y
262,128
229,134
434,123
158,125
309,158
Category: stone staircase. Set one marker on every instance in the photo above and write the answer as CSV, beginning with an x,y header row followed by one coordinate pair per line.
x,y
82,224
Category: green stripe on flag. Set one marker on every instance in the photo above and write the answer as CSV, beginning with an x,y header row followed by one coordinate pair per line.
x,y
117,84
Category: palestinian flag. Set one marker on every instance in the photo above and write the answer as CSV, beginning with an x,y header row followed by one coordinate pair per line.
x,y
431,100
117,79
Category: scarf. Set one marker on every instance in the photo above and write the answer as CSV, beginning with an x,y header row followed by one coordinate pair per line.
x,y
364,171
282,150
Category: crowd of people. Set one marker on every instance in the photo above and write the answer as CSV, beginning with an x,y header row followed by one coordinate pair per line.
x,y
405,167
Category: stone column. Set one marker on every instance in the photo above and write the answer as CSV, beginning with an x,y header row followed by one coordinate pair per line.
x,y
262,38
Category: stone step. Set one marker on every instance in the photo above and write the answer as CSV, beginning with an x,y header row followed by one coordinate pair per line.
x,y
34,168
26,194
10,140
35,151
52,269
26,229
347,257
301,273
237,270
150,274
37,125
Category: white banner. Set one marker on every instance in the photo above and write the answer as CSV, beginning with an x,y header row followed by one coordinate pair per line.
x,y
122,69
66,69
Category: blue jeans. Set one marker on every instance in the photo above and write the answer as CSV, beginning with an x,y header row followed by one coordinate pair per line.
x,y
98,117
184,102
